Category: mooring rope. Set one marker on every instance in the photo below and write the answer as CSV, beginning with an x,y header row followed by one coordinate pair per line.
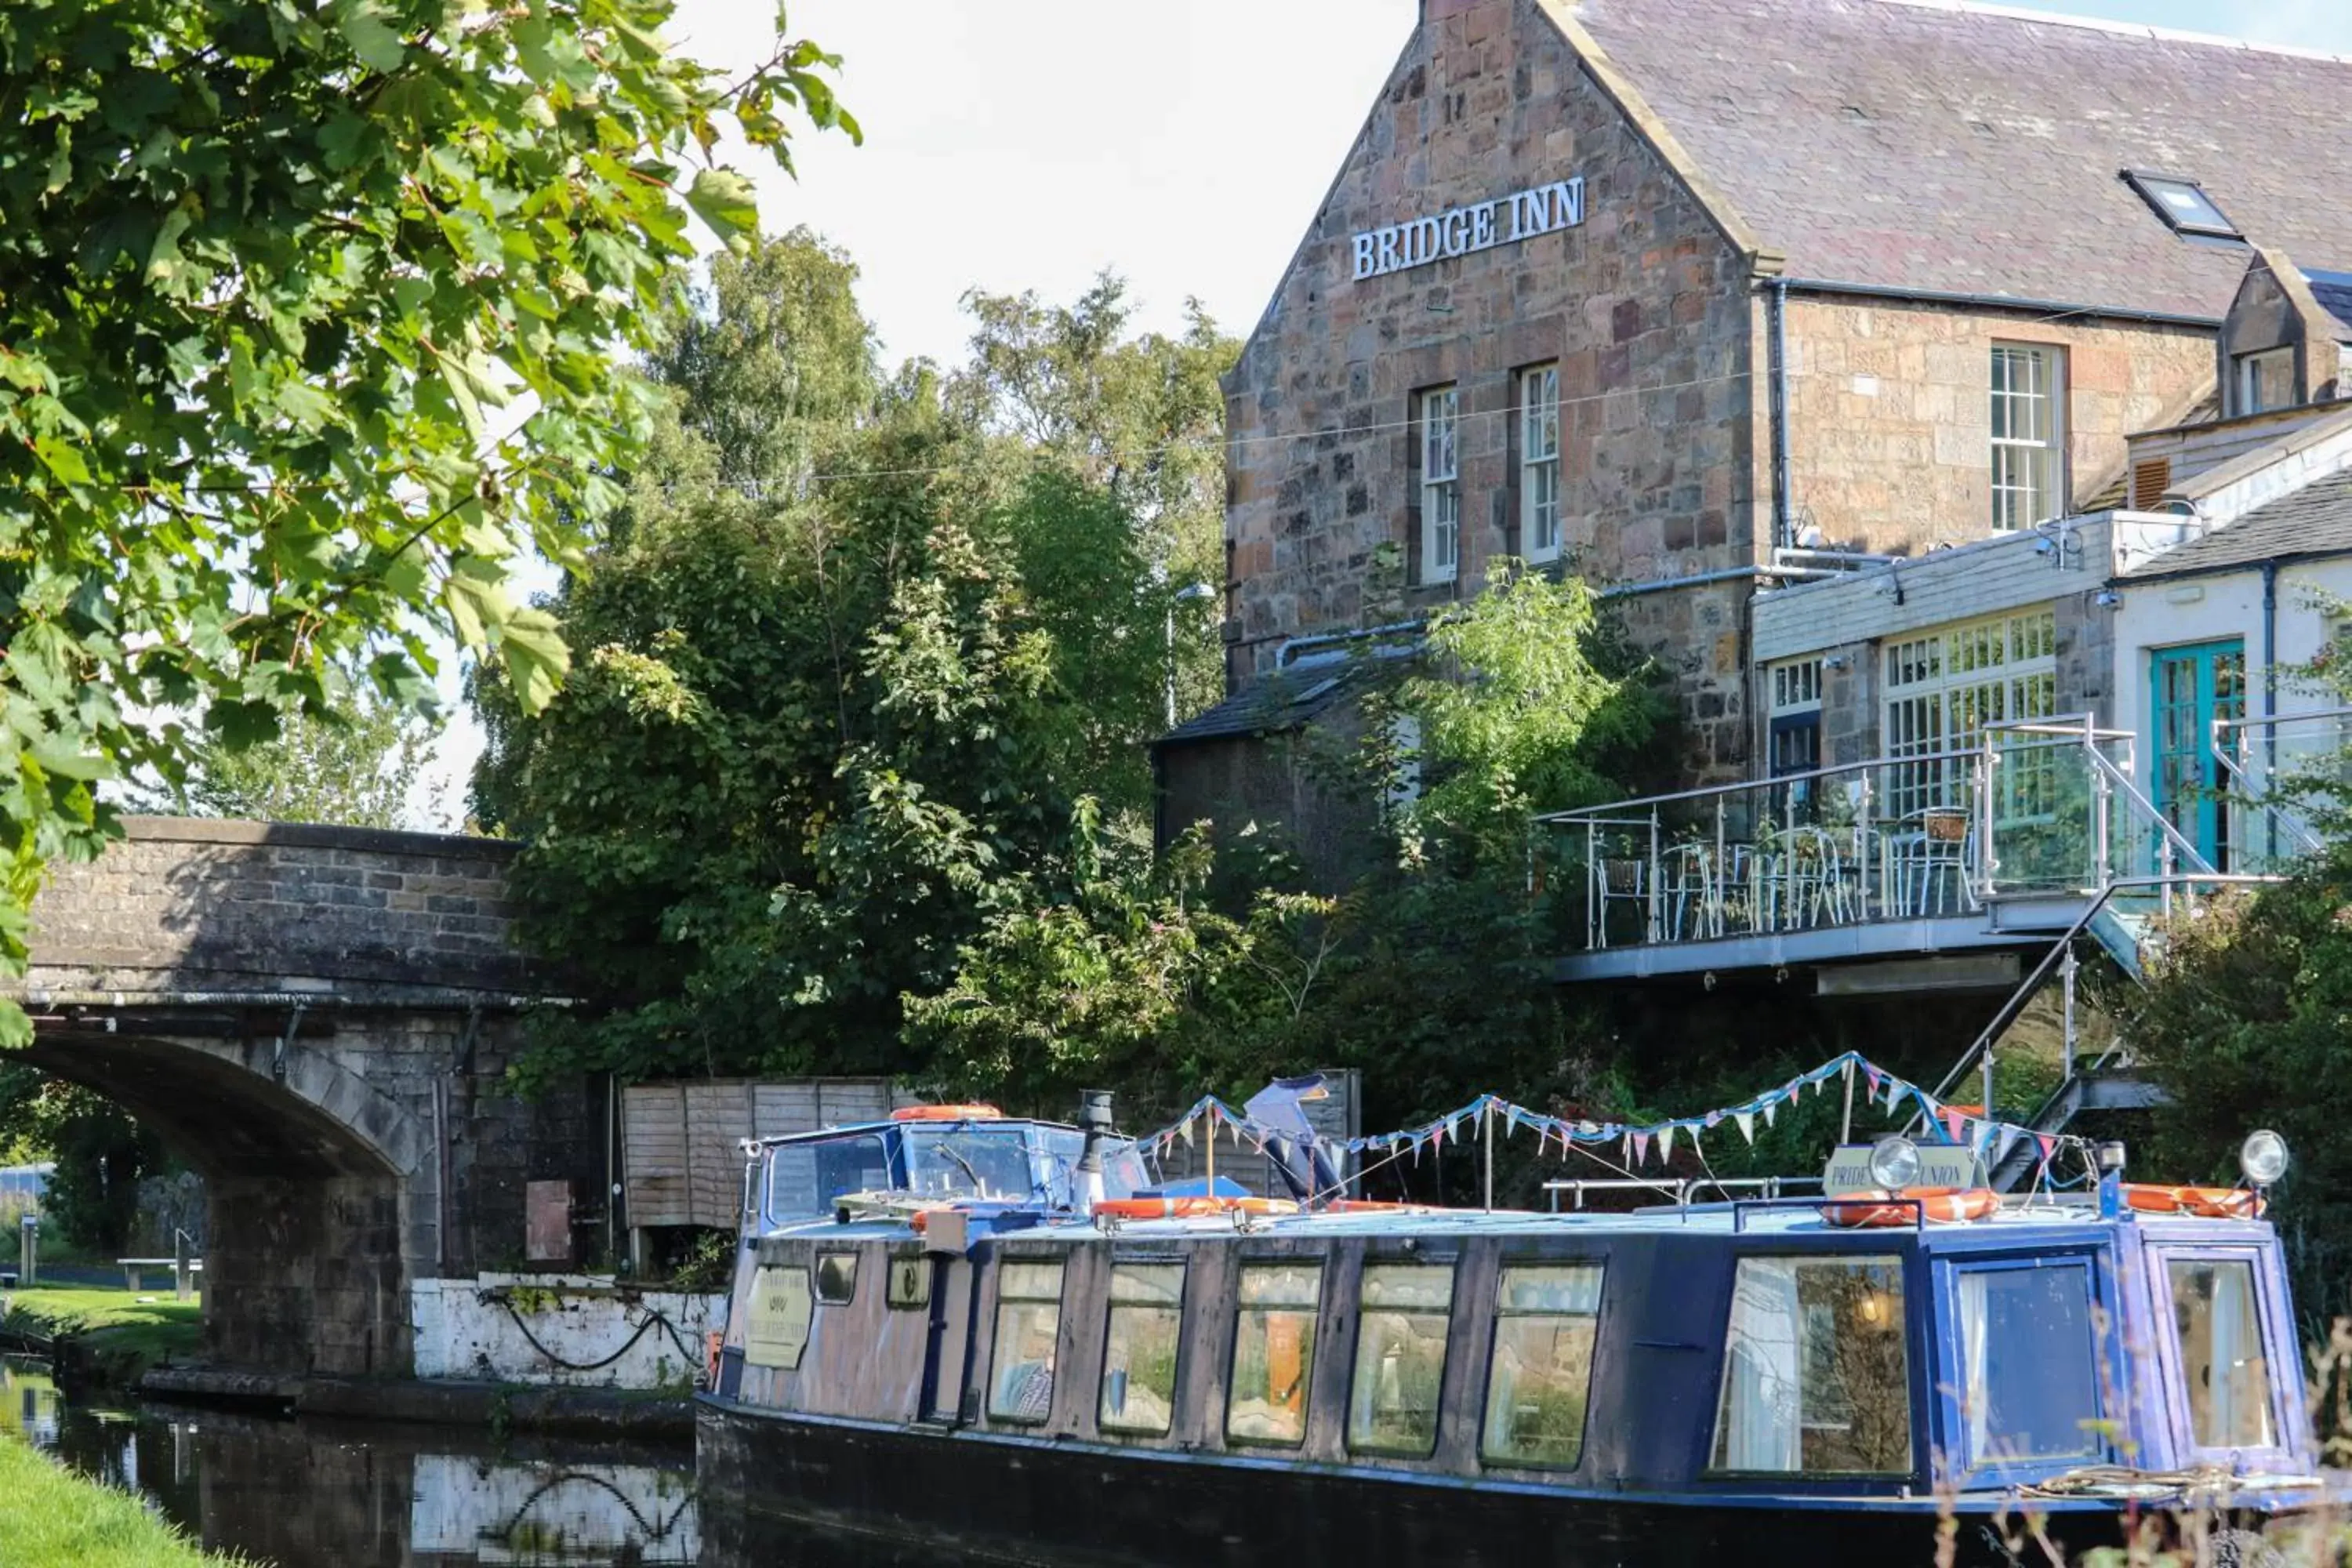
x,y
653,1317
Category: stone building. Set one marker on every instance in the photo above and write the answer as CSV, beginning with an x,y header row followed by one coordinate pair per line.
x,y
1707,298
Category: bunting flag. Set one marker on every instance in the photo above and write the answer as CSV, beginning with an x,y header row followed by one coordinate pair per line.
x,y
1641,1148
1666,1143
1747,1120
1770,1107
1872,1076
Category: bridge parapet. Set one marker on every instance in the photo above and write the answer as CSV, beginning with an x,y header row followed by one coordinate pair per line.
x,y
194,907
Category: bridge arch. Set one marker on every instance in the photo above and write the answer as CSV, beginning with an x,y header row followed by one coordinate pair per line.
x,y
318,1020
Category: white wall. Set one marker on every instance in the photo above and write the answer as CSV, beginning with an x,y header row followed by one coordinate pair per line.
x,y
463,1331
2161,615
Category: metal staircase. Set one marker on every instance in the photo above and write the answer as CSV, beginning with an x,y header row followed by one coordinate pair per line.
x,y
2106,1086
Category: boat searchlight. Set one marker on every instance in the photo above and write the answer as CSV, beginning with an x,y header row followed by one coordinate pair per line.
x,y
1894,1163
2263,1157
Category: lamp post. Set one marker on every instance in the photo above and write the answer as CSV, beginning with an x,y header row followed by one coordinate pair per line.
x,y
1190,594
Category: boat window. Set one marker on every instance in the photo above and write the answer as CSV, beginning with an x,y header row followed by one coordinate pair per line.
x,y
970,1163
1138,1385
2029,1361
1400,1358
1545,1317
837,1278
1814,1377
2214,1307
1028,1320
1273,1353
806,1178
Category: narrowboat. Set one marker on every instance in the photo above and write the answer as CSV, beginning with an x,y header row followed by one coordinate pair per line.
x,y
1194,1378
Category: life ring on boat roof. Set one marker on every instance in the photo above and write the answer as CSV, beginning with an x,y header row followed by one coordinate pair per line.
x,y
947,1113
1912,1205
2204,1203
1199,1206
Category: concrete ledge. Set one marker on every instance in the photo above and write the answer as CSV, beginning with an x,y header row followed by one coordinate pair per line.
x,y
581,1412
318,835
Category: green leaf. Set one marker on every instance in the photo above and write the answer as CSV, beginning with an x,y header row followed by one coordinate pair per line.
x,y
362,25
531,647
63,459
723,199
164,256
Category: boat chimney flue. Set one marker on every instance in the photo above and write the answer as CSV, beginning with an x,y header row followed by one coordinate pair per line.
x,y
2109,1158
1095,1122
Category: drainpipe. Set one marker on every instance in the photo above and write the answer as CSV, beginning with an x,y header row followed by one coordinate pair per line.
x,y
1776,306
2269,700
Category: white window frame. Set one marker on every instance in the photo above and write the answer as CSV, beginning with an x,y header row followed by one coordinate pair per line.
x,y
1539,530
2027,463
1797,686
1945,684
1439,416
2249,369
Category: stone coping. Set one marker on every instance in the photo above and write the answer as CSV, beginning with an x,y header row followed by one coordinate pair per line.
x,y
315,836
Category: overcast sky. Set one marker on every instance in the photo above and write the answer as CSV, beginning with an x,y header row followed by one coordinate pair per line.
x,y
1015,145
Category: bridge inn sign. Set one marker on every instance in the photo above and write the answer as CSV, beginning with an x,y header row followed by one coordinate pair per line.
x,y
1460,231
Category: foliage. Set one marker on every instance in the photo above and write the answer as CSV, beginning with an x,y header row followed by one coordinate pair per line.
x,y
840,700
2246,1020
93,1197
355,762
267,272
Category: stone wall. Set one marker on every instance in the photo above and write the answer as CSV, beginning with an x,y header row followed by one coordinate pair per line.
x,y
1645,308
1890,412
195,903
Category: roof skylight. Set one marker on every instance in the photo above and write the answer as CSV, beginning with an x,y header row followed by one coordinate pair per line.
x,y
2182,204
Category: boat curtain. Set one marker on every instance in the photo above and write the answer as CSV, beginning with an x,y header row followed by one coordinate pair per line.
x,y
1763,1402
2226,1355
1975,1336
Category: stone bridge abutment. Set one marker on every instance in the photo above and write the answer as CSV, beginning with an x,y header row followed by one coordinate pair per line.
x,y
319,1021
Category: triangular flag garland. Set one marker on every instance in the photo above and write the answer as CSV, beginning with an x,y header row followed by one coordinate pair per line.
x,y
1984,1134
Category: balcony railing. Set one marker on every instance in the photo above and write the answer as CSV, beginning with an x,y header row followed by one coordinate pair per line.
x,y
2283,778
2044,809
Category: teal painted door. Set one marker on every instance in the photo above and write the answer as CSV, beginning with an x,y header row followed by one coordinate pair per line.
x,y
2191,687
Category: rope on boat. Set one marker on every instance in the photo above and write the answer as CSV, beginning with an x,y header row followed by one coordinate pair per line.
x,y
653,1317
2124,1480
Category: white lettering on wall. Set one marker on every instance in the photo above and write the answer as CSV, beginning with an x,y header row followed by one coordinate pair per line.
x,y
1459,231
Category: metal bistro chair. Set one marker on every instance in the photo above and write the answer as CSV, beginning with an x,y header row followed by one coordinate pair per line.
x,y
1928,854
1624,880
1694,904
1804,884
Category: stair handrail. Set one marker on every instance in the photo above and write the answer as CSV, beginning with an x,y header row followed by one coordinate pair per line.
x,y
2179,841
2306,841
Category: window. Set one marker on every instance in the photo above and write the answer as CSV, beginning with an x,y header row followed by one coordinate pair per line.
x,y
2266,381
1139,1383
1944,688
2214,1308
2028,441
2182,204
1545,1318
1441,486
1028,1320
1795,716
2030,1364
837,1278
1400,1358
1539,463
1273,1353
806,1178
1814,1378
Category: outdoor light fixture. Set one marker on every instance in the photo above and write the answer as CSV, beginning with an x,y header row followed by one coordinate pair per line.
x,y
2263,1157
1895,1162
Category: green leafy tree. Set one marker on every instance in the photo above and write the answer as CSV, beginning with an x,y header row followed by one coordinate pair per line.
x,y
356,761
99,1152
309,321
841,691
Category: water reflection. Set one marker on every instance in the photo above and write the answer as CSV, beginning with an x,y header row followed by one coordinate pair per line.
x,y
310,1494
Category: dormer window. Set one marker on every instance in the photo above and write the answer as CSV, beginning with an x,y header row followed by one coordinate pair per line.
x,y
2182,204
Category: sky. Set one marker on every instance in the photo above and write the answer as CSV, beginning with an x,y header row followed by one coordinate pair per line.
x,y
1028,144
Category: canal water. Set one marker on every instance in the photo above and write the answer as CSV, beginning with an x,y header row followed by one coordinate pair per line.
x,y
336,1494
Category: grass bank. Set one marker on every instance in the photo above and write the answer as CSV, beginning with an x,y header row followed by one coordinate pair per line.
x,y
111,1336
51,1518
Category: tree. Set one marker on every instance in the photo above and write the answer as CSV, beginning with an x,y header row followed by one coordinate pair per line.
x,y
853,659
355,762
268,273
99,1152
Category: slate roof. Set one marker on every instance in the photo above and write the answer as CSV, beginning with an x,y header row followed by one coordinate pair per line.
x,y
1276,701
2315,519
2333,293
1926,145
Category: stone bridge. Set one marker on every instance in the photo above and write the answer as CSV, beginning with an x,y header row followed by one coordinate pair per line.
x,y
318,1020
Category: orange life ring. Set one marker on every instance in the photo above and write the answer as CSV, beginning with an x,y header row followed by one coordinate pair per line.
x,y
1912,1204
2205,1202
1368,1205
947,1113
711,1342
1201,1208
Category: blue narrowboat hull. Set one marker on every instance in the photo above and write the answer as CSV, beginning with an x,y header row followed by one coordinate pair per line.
x,y
886,1494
